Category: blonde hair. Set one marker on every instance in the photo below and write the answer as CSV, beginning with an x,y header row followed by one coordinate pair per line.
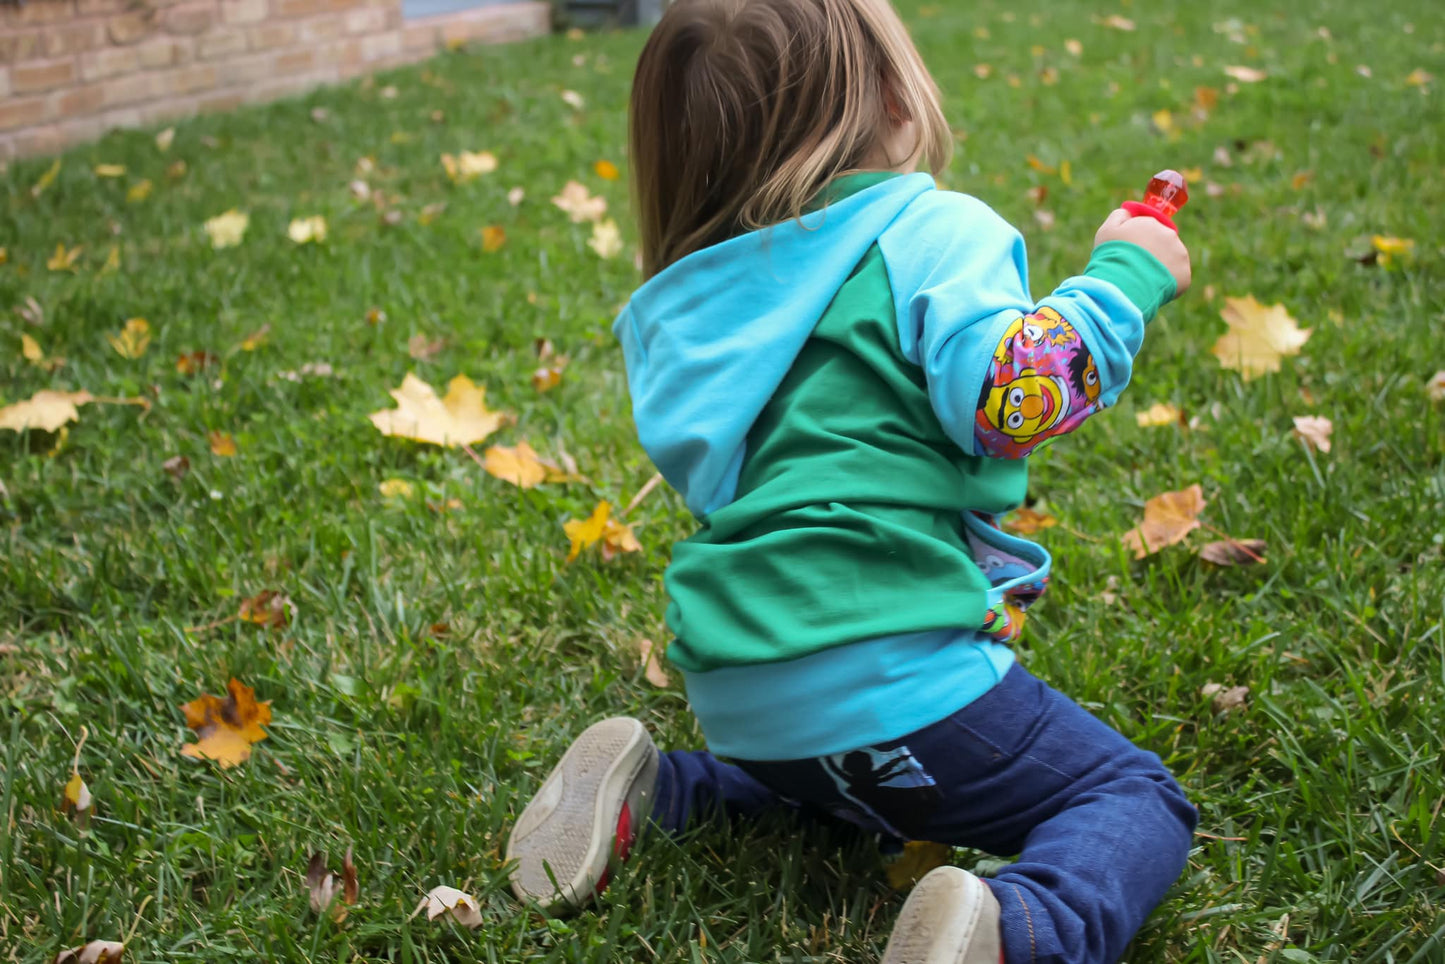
x,y
743,110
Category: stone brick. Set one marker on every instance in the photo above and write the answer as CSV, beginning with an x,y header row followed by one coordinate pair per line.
x,y
242,71
300,8
61,40
168,108
30,14
108,63
319,29
128,90
189,19
4,82
188,80
224,100
164,52
132,28
244,11
92,8
41,75
49,139
272,36
220,44
19,45
381,45
366,20
79,101
22,112
420,36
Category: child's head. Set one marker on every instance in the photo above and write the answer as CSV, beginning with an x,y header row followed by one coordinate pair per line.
x,y
742,110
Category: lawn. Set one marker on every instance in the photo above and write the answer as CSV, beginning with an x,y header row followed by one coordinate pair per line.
x,y
442,651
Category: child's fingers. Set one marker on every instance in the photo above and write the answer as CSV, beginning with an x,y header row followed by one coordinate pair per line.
x,y
1116,217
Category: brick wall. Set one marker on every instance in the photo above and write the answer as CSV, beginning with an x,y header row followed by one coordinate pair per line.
x,y
72,69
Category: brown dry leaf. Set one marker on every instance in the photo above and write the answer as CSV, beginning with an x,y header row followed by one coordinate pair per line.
x,y
270,608
226,728
109,170
375,316
493,237
1258,337
324,887
139,191
918,858
522,466
1225,699
546,379
617,538
1168,518
448,900
1026,521
422,348
606,239
177,466
31,351
1246,75
1074,47
1314,431
468,165
195,362
1160,413
227,230
430,213
1117,22
1035,164
651,669
607,170
44,411
221,444
96,952
30,312
133,340
256,338
1418,77
460,418
982,71
46,179
63,260
1233,552
1435,387
1301,179
579,204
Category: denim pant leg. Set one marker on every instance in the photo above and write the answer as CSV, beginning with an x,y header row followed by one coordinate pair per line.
x,y
696,784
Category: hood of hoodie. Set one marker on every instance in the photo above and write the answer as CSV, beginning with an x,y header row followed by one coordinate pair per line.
x,y
709,340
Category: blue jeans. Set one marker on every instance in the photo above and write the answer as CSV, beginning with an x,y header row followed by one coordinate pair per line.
x,y
1100,828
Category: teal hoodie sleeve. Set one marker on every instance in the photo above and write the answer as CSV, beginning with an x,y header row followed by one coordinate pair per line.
x,y
1006,374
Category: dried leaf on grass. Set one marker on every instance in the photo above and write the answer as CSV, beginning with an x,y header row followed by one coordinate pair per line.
x,y
468,165
1435,387
133,340
195,362
523,467
227,230
579,203
44,411
1168,518
96,952
1258,337
1314,431
31,351
270,608
308,230
1160,413
606,239
1026,521
226,728
76,797
324,887
651,669
493,238
918,858
462,907
221,444
614,536
459,418
1225,699
1246,75
1233,552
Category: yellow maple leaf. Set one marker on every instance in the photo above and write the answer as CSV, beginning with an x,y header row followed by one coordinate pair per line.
x,y
31,351
579,203
493,238
63,260
395,489
468,165
221,444
226,230
44,411
1419,77
133,339
522,466
587,532
226,728
310,230
1160,413
1026,521
1387,249
110,170
460,418
139,191
1314,431
618,537
46,179
1168,518
606,239
1258,337
607,170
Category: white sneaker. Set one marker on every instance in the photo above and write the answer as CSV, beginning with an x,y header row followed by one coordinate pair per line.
x,y
588,811
950,918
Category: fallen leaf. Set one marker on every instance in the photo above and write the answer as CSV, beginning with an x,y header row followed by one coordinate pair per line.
x,y
430,213
139,191
221,444
112,260
1035,164
256,338
1045,218
1418,77
1246,75
324,887
195,362
1258,337
546,379
606,239
422,348
1205,100
617,538
461,418
395,489
226,230
468,165
519,465
1116,22
96,952
1314,431
1387,249
310,230
493,238
31,351
586,532
177,466
44,411
76,796
515,196
982,71
63,260
46,179
448,900
1168,518
1225,700
1160,413
1233,552
133,340
573,99
110,170
225,729
1301,179
579,204
1163,121
1435,387
917,858
1074,47
652,670
1026,521
176,170
375,316
607,170
164,139
271,608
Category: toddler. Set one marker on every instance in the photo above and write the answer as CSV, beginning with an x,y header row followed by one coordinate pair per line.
x,y
841,369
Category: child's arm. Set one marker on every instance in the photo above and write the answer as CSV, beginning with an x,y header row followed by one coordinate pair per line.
x,y
1006,374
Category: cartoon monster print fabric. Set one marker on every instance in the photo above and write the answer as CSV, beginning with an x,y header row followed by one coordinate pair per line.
x,y
1041,382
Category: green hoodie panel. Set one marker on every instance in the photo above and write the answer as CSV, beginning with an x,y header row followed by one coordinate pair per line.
x,y
847,523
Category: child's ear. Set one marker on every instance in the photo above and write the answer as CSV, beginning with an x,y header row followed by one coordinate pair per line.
x,y
897,114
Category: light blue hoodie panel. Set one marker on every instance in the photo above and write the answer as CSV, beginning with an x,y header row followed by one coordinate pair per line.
x,y
959,278
709,340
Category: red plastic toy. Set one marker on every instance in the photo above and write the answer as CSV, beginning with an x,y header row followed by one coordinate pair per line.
x,y
1167,193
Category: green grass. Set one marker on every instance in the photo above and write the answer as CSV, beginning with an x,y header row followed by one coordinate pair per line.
x,y
1321,801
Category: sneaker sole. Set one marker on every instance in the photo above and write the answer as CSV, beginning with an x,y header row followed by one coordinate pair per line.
x,y
570,825
950,918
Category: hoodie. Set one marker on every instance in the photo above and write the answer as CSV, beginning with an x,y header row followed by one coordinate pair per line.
x,y
846,403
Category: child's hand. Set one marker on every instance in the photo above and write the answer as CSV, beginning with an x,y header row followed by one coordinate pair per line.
x,y
1153,237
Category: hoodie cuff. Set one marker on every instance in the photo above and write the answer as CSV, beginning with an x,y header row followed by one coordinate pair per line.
x,y
1138,274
